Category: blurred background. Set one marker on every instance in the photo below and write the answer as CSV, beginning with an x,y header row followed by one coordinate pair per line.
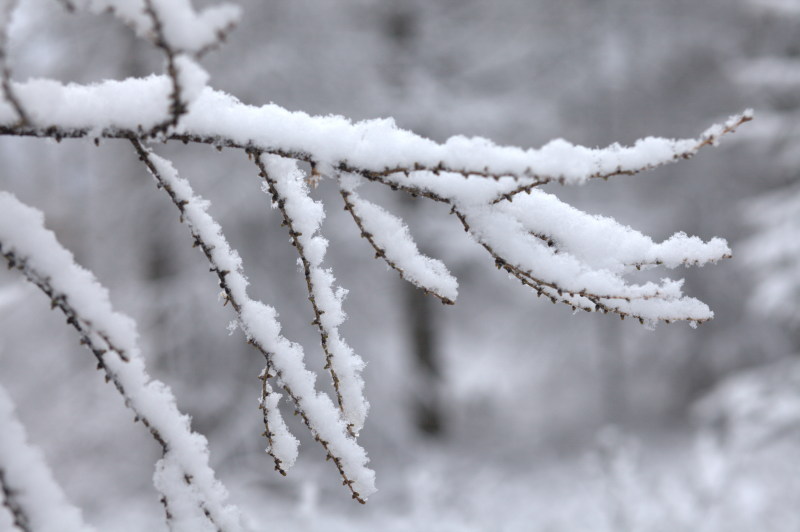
x,y
503,413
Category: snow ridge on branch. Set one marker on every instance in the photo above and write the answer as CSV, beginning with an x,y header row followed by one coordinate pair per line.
x,y
26,245
390,238
260,324
27,487
373,148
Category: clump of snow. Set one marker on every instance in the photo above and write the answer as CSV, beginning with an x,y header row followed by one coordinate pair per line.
x,y
393,238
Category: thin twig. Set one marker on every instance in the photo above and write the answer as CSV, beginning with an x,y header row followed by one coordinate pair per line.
x,y
707,140
324,333
380,252
177,107
237,305
266,391
89,337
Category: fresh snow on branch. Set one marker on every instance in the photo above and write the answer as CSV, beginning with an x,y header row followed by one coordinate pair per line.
x,y
377,148
28,490
303,216
27,245
282,445
390,238
260,324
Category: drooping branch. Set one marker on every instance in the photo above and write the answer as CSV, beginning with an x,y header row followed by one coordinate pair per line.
x,y
28,490
538,239
275,430
392,242
259,323
448,187
564,275
334,144
303,216
33,250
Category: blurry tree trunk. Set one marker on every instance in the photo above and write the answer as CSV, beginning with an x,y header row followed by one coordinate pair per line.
x,y
157,255
428,415
613,374
401,27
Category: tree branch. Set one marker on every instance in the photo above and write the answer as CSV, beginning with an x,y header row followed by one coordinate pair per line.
x,y
290,196
260,325
34,251
336,143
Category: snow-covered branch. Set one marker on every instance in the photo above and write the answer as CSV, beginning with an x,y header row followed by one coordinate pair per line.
x,y
181,33
392,242
281,444
302,215
260,324
27,487
26,245
560,252
472,175
373,148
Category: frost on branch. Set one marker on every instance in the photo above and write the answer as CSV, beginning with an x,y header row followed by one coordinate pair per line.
x,y
493,191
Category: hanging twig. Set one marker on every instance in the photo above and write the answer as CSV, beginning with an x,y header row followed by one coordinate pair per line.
x,y
283,358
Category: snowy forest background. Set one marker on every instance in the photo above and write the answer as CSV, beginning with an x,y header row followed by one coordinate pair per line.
x,y
503,412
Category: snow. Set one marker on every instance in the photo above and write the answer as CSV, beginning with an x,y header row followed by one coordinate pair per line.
x,y
304,218
555,269
23,234
579,254
601,241
27,477
392,237
559,251
182,27
331,141
283,446
260,324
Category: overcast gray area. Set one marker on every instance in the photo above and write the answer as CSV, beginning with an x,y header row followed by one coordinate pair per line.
x,y
500,413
